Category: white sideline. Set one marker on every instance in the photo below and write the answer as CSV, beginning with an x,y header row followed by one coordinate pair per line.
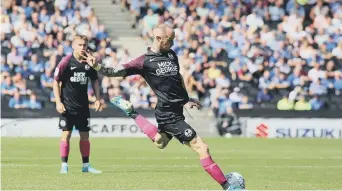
x,y
179,158
176,190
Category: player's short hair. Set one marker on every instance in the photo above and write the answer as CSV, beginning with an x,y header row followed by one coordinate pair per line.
x,y
81,37
162,26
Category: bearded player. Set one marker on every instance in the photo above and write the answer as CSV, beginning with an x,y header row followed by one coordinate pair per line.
x,y
70,88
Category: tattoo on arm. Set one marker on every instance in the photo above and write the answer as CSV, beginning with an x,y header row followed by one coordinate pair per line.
x,y
118,71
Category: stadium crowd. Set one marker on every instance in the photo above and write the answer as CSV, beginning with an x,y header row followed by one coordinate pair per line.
x,y
35,36
253,53
233,54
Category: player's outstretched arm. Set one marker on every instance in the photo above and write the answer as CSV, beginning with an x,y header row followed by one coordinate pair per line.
x,y
192,102
133,67
110,72
118,71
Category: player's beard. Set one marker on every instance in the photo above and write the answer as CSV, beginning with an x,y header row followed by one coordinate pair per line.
x,y
164,49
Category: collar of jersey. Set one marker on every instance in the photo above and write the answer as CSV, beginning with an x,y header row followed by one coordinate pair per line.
x,y
150,52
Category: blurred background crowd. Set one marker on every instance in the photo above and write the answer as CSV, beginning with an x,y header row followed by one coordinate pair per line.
x,y
234,54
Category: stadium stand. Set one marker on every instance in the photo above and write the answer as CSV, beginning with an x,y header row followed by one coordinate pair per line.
x,y
252,54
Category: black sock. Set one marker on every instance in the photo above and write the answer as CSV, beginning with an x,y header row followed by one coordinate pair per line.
x,y
64,159
85,159
133,114
225,185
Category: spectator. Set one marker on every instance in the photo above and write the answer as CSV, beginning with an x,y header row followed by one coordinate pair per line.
x,y
149,21
316,103
20,84
280,81
236,96
285,104
13,58
245,103
101,34
254,20
35,65
265,80
213,71
338,50
338,81
229,123
7,87
316,73
295,94
264,96
318,88
223,101
46,80
4,67
32,103
16,102
302,104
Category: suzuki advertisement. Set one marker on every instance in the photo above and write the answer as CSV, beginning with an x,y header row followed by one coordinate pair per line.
x,y
294,128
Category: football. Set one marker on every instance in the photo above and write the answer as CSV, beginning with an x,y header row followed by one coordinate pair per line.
x,y
236,181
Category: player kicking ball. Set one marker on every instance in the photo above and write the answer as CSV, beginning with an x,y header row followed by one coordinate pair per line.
x,y
160,68
70,89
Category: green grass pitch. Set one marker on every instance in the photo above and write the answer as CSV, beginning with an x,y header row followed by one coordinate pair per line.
x,y
135,164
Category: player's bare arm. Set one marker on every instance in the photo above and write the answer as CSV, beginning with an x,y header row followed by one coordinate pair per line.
x,y
192,101
57,91
96,88
118,71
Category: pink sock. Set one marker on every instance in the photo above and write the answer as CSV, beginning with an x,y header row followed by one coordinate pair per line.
x,y
85,148
64,149
148,128
211,167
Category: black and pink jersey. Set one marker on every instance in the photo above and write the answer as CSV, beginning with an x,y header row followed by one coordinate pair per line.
x,y
74,77
161,72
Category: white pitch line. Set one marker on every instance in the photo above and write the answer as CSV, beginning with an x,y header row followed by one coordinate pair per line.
x,y
173,190
180,158
170,166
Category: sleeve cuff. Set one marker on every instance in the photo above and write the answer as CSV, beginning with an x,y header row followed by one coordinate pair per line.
x,y
98,67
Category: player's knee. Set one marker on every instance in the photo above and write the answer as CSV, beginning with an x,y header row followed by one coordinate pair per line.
x,y
160,145
199,146
161,141
66,135
84,136
203,150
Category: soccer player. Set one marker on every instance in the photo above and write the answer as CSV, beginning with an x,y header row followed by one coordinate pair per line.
x,y
70,89
160,68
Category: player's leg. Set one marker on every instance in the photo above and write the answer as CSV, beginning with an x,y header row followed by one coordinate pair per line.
x,y
147,127
161,140
188,136
201,148
64,145
84,147
83,127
